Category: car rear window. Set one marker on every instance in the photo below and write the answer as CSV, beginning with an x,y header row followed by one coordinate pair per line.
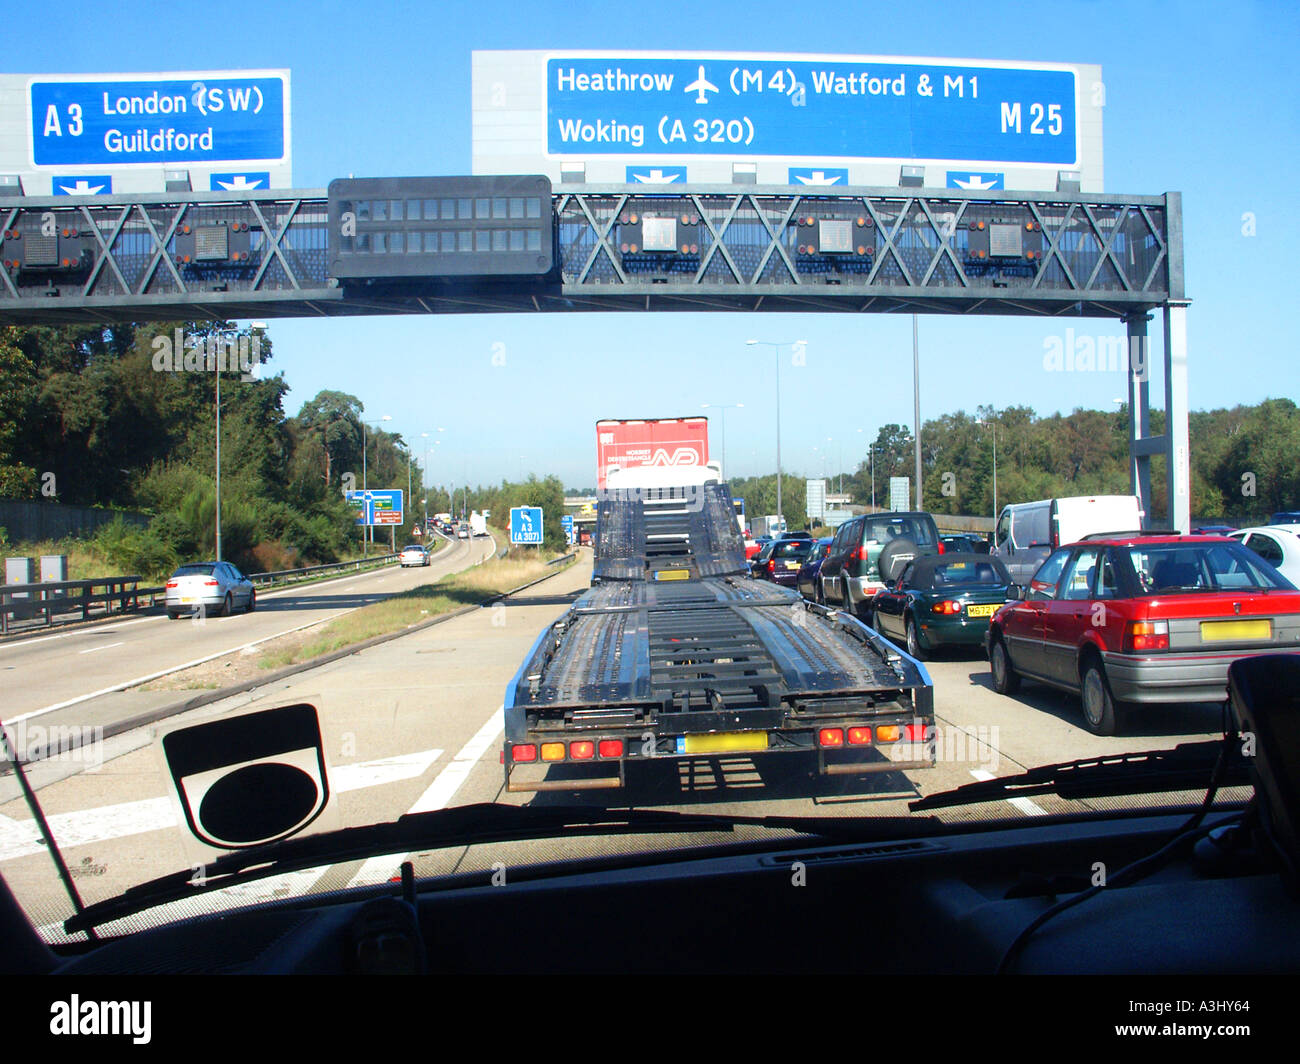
x,y
197,569
792,548
1188,567
918,530
960,573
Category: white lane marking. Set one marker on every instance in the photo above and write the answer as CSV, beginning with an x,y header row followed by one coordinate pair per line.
x,y
1023,804
106,646
20,838
106,629
175,668
439,794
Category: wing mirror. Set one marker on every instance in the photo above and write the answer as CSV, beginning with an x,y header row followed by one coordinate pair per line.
x,y
1015,593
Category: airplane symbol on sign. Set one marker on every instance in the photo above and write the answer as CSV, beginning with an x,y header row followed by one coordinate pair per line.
x,y
700,86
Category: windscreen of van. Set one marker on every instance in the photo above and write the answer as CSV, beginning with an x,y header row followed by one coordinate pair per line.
x,y
1031,524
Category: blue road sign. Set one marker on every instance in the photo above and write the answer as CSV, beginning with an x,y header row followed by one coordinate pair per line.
x,y
81,185
378,507
245,181
656,175
819,175
974,181
566,523
525,524
158,120
787,106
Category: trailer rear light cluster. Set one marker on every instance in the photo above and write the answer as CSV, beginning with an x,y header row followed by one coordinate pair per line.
x,y
577,750
1146,635
860,735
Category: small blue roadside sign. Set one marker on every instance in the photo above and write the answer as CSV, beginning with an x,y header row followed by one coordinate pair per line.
x,y
376,507
526,524
566,522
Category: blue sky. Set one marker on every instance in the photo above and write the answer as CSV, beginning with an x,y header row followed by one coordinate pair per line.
x,y
1200,98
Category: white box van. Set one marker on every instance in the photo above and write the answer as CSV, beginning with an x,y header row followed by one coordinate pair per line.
x,y
1028,532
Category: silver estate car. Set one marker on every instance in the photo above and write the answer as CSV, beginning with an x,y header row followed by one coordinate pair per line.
x,y
217,587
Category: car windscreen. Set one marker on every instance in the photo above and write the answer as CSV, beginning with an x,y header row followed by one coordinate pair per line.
x,y
197,569
1186,567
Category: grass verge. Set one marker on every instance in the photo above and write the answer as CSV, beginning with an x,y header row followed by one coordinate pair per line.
x,y
405,609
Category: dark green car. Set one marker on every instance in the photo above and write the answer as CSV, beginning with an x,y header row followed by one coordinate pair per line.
x,y
941,600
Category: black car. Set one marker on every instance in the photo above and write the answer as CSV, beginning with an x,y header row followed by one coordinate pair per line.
x,y
943,599
964,543
870,551
785,560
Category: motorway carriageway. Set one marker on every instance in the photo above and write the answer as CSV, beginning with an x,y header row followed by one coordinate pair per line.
x,y
415,724
81,677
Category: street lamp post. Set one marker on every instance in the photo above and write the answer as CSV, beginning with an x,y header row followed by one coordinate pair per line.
x,y
776,350
724,407
994,425
368,531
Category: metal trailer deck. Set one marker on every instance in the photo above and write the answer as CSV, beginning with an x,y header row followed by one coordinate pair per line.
x,y
676,652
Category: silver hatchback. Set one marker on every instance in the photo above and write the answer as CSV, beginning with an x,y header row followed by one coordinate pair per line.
x,y
209,587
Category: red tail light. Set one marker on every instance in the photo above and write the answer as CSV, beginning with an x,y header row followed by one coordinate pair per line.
x,y
171,584
582,750
1146,635
948,608
859,736
771,567
831,737
611,748
942,548
209,583
917,733
523,752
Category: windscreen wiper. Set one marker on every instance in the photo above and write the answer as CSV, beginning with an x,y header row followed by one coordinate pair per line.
x,y
464,825
1187,767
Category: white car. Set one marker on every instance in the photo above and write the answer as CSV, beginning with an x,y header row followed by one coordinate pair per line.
x,y
414,555
1279,545
462,531
206,587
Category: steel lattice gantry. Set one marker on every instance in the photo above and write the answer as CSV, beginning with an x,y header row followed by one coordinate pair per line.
x,y
756,248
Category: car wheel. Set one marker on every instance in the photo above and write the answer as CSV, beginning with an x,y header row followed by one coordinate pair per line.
x,y
252,601
914,647
1006,681
226,605
1099,711
172,615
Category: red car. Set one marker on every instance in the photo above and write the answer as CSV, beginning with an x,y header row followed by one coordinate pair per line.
x,y
1126,619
